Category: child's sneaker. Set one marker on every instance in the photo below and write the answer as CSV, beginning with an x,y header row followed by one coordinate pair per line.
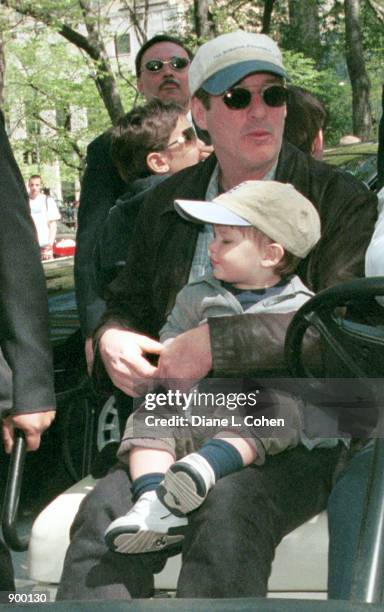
x,y
147,527
186,484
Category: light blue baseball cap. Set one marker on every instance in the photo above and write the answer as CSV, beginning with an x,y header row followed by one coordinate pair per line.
x,y
227,59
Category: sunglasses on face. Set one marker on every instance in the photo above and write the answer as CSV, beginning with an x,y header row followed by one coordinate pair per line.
x,y
177,63
188,136
240,97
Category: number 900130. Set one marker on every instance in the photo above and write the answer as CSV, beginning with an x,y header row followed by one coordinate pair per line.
x,y
27,597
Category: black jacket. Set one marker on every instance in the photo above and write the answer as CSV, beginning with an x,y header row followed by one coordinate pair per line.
x,y
100,187
24,337
112,248
164,244
110,252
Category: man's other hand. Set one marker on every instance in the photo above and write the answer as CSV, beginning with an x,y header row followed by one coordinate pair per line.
x,y
33,425
123,354
187,359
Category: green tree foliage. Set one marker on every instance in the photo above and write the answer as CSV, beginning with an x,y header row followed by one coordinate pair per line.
x,y
51,95
326,85
80,22
51,85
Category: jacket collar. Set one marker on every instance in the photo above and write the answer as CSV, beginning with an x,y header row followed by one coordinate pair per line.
x,y
189,183
293,167
294,284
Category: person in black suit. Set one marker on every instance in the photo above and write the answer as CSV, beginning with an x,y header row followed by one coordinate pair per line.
x,y
24,337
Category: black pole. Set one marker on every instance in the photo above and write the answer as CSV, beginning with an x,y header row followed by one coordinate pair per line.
x,y
12,496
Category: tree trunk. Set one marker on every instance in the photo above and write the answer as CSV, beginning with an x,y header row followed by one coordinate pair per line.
x,y
267,16
105,80
361,109
204,24
2,70
305,27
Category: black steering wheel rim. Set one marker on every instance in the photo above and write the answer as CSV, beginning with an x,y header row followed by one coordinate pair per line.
x,y
319,313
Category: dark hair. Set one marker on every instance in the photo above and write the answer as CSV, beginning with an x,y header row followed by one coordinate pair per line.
x,y
144,129
34,176
204,97
159,38
287,265
306,115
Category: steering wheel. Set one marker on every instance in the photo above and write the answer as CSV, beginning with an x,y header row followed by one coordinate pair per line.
x,y
335,313
359,348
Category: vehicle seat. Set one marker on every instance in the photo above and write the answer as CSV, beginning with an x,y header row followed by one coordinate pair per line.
x,y
307,546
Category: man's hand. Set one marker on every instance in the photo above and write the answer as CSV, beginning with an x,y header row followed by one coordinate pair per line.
x,y
187,359
32,425
123,353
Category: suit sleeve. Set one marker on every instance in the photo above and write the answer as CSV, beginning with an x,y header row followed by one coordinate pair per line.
x,y
24,333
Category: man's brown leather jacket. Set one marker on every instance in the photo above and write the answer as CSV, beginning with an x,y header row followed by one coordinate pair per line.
x,y
161,253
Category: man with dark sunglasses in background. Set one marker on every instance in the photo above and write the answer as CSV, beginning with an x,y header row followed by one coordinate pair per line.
x,y
161,66
237,85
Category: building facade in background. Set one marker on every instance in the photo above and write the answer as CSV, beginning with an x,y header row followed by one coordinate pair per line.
x,y
124,26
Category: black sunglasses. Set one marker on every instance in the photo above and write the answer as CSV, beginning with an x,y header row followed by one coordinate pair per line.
x,y
177,63
240,97
188,136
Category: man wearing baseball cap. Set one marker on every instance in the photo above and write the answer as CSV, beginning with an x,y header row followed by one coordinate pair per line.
x,y
262,229
237,83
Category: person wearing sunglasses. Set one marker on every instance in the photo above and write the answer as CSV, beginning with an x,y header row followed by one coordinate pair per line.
x,y
161,66
162,72
237,84
150,143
